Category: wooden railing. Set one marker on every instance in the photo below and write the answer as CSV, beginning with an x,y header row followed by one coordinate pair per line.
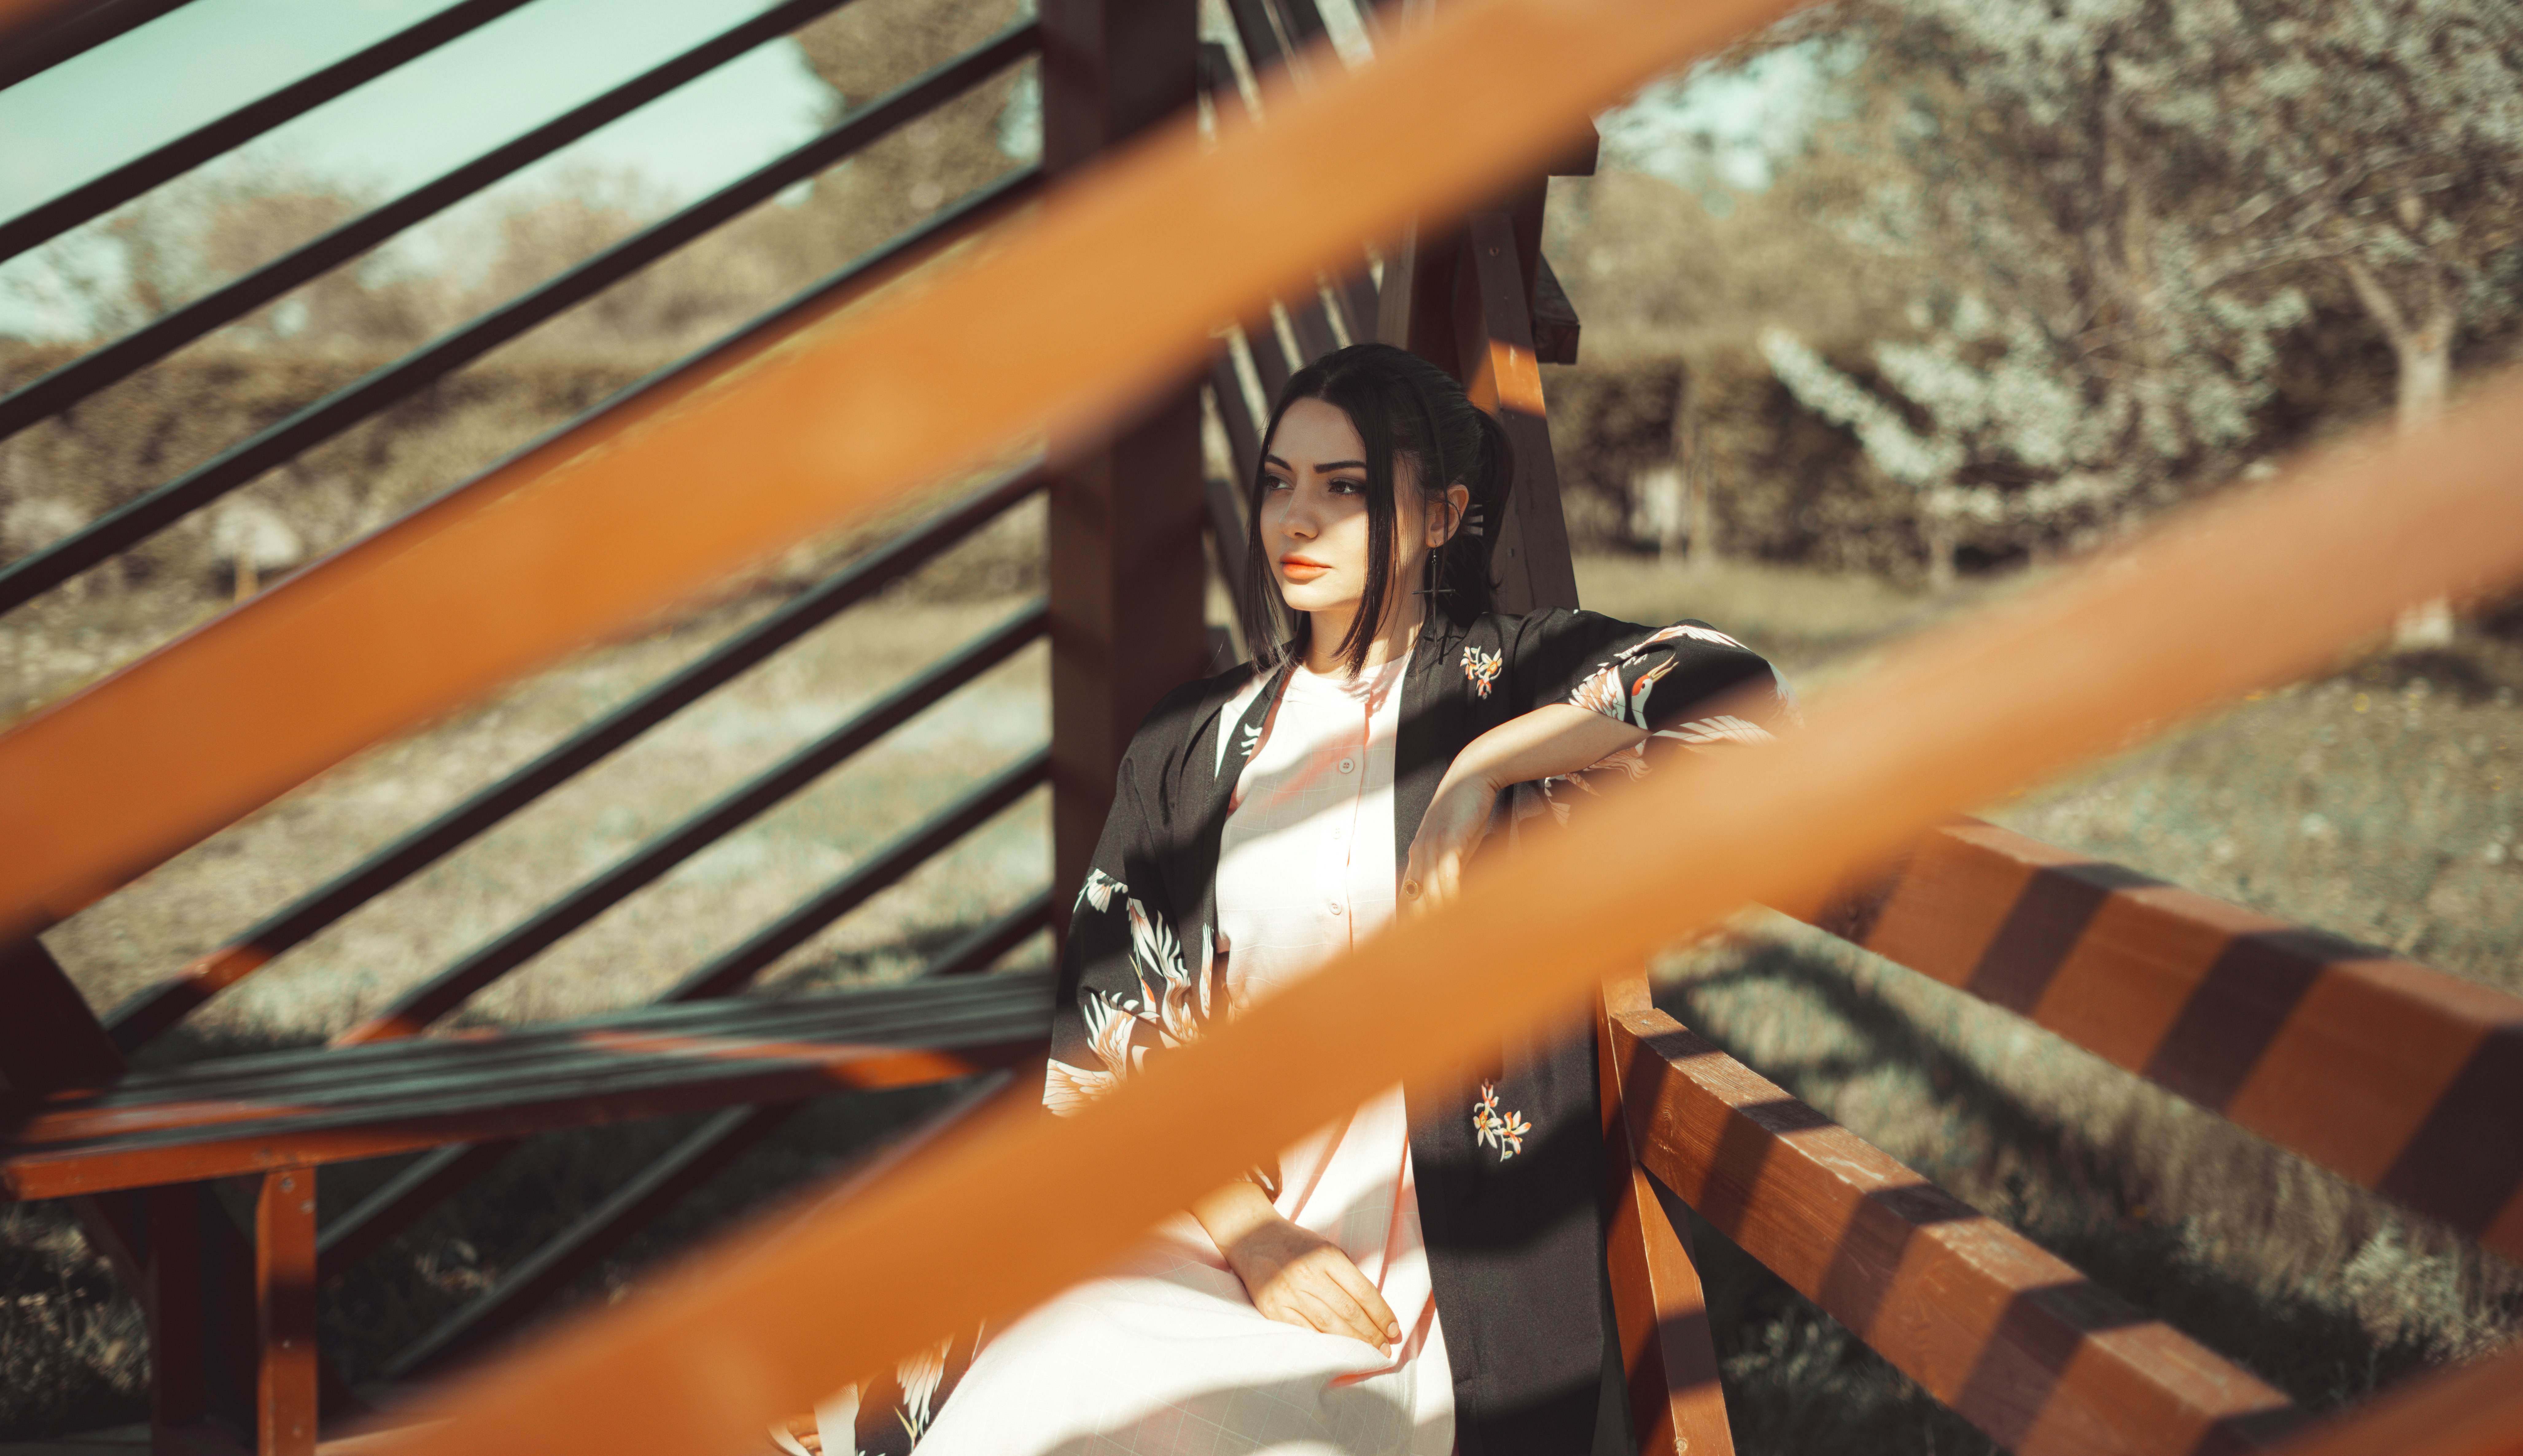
x,y
51,1042
2232,1010
2399,1077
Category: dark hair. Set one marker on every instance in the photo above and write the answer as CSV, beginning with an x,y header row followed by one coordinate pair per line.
x,y
1402,406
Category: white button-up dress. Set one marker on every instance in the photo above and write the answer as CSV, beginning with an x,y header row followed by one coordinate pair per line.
x,y
1165,1353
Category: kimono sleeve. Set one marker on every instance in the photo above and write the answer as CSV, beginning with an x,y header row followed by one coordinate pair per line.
x,y
1125,992
1668,681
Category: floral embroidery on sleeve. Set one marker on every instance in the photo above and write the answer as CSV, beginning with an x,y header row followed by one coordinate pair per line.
x,y
1099,889
1174,1007
1724,728
1504,1131
920,1375
1600,692
1481,669
1605,691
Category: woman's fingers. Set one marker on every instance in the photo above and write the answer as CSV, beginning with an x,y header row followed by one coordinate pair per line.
x,y
1341,1314
1310,1296
1332,1312
1370,1304
1355,1308
1445,879
1321,1290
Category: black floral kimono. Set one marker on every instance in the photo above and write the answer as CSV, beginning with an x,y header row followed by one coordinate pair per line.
x,y
1508,1180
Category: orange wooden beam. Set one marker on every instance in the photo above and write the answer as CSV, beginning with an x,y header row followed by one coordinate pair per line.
x,y
2403,1078
1677,1407
2015,1342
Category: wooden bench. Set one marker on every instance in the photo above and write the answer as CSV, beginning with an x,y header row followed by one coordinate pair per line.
x,y
2393,1074
276,1117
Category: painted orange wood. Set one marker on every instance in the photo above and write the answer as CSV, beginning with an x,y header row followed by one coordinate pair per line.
x,y
2015,1342
1494,342
284,1291
1677,1407
2397,1076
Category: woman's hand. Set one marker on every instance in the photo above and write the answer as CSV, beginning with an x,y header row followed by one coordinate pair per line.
x,y
1456,820
1298,1277
1553,740
1294,1275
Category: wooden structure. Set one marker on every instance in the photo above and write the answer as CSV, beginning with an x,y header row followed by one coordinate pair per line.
x,y
2400,1078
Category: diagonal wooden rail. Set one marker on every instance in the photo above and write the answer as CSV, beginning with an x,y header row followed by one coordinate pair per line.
x,y
2397,1076
2014,1341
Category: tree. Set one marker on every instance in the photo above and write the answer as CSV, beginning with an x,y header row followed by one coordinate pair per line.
x,y
2118,205
202,231
2382,137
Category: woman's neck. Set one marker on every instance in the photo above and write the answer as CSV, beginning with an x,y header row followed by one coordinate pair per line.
x,y
1325,631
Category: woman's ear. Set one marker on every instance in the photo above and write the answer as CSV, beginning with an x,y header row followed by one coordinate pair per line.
x,y
1441,525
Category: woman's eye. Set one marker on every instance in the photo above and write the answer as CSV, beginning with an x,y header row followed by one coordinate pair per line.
x,y
1347,487
1273,483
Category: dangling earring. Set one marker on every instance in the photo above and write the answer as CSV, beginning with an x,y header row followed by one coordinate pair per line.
x,y
1435,570
1433,573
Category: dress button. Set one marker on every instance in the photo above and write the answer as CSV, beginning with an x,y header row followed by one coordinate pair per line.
x,y
1333,906
1349,765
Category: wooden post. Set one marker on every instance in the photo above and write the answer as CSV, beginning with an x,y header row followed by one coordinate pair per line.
x,y
1462,300
50,1040
284,1288
1667,1348
179,1392
1125,508
1494,334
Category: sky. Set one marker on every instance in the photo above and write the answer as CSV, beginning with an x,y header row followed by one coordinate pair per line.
x,y
196,64
112,104
115,102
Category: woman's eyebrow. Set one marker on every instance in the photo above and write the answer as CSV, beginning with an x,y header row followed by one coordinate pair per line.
x,y
1324,468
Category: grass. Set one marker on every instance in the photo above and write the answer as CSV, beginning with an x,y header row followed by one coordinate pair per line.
x,y
2321,1290
2378,802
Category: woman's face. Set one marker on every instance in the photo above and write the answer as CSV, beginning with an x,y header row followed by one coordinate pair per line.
x,y
1314,509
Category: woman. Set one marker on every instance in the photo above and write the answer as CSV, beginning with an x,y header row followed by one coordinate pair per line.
x,y
1425,1277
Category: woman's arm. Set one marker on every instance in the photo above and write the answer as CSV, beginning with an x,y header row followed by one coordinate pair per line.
x,y
1294,1275
1552,740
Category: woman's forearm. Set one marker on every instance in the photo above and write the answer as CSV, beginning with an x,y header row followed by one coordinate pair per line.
x,y
1553,739
1231,1214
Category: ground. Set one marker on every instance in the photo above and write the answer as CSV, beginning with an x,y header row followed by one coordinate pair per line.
x,y
2379,802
